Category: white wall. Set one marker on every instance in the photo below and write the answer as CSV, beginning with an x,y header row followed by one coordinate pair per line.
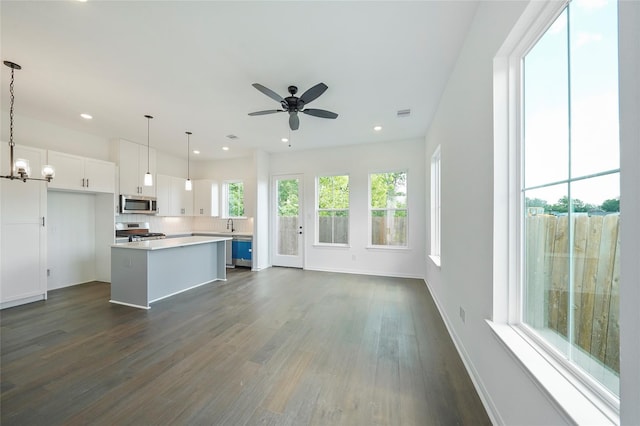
x,y
358,161
629,38
463,126
71,240
40,134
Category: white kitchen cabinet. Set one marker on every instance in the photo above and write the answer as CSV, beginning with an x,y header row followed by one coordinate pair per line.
x,y
205,198
23,246
173,200
132,160
81,174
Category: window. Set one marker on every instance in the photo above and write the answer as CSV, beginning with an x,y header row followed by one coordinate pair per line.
x,y
233,199
570,192
333,210
388,209
435,205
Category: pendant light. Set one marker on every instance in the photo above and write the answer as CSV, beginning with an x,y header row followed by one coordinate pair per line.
x,y
148,179
187,184
20,167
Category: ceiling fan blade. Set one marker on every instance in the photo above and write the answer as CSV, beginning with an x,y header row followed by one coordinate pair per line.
x,y
313,93
270,93
294,121
269,111
320,113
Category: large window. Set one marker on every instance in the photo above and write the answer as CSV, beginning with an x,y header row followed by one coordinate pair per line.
x,y
570,204
435,205
333,210
388,209
233,199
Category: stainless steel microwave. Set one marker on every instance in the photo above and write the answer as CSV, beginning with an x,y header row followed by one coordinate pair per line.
x,y
138,204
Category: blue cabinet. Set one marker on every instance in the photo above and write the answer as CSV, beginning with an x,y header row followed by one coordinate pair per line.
x,y
241,251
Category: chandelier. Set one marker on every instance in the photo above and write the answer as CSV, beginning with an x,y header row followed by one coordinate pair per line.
x,y
20,167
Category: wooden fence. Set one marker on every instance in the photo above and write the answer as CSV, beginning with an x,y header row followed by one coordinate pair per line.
x,y
595,269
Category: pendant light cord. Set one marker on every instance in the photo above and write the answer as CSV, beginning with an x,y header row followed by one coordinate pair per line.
x,y
188,150
148,117
11,142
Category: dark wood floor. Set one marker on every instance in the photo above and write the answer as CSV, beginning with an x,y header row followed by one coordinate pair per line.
x,y
281,347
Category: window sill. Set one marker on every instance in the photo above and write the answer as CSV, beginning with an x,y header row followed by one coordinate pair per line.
x,y
383,248
435,260
579,404
329,245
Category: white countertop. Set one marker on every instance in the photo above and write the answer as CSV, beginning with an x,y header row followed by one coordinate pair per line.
x,y
167,243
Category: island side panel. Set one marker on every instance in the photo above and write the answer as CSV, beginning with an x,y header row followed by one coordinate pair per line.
x,y
129,277
177,269
222,259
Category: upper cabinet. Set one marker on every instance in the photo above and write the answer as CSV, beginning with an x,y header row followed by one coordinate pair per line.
x,y
205,198
81,174
134,163
173,199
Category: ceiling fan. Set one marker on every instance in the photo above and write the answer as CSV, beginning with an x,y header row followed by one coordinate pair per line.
x,y
293,105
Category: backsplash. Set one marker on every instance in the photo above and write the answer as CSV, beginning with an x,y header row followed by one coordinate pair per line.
x,y
177,225
166,225
218,224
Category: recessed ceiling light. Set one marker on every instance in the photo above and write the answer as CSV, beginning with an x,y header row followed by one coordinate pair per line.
x,y
86,116
377,128
284,140
195,151
225,148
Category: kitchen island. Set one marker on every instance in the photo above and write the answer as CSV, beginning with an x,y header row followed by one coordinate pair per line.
x,y
147,271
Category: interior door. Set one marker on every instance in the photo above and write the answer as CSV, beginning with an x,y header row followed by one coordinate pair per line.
x,y
288,234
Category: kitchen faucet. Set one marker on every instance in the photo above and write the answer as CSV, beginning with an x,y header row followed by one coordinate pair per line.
x,y
230,220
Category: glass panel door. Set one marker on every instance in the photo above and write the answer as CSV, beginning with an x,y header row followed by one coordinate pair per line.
x,y
288,233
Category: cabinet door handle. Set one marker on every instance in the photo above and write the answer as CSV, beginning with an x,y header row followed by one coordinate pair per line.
x,y
87,182
43,221
83,182
201,211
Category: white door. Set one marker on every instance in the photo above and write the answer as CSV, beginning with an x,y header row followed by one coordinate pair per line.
x,y
288,234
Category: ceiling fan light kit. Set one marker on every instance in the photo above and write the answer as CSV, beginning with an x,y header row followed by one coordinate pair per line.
x,y
293,104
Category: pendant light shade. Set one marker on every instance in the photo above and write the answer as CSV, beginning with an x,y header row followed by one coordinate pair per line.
x,y
20,167
148,179
187,185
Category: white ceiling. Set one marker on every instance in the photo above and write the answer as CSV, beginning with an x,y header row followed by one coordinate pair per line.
x,y
191,66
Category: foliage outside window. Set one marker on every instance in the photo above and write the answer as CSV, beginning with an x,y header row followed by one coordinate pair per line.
x,y
435,203
234,198
570,190
388,209
333,209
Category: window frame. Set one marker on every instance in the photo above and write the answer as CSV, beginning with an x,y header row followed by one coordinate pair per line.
x,y
225,199
317,212
370,209
436,206
576,393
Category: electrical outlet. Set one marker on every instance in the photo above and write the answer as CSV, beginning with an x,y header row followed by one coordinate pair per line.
x,y
462,314
353,257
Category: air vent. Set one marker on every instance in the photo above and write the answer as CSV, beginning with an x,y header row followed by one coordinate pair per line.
x,y
232,137
404,112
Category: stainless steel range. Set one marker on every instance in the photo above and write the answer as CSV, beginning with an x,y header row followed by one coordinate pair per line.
x,y
136,231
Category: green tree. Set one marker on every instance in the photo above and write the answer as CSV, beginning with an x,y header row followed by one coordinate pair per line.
x,y
333,192
388,190
288,197
611,205
236,199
